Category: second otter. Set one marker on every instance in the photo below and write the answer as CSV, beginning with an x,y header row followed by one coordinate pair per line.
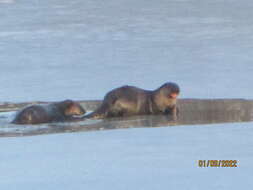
x,y
130,100
47,113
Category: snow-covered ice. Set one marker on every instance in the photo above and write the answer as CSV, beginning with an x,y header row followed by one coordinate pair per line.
x,y
154,158
57,49
52,50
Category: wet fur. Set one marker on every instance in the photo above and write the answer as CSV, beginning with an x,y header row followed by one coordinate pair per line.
x,y
55,112
130,100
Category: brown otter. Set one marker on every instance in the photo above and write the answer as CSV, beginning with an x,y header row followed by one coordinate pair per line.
x,y
130,100
54,112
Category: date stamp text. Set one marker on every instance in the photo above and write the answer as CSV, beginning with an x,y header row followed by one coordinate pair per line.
x,y
218,163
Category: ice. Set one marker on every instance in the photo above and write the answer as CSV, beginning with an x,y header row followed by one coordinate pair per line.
x,y
58,49
7,1
155,158
53,50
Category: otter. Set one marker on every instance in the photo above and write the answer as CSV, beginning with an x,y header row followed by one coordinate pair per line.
x,y
130,100
54,112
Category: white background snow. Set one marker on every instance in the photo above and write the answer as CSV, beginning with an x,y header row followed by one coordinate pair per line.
x,y
154,158
57,49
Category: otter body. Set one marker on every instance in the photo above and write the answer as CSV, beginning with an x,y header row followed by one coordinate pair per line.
x,y
55,112
130,100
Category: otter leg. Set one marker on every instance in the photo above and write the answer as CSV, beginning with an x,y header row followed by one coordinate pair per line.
x,y
112,107
173,111
121,108
117,113
118,108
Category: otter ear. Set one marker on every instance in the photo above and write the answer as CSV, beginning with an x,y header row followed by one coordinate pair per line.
x,y
68,102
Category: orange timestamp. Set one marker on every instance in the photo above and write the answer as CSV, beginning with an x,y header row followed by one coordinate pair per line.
x,y
218,163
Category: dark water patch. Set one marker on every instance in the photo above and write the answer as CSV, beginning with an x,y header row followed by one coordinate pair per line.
x,y
192,112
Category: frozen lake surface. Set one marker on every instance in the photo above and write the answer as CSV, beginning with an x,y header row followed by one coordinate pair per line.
x,y
52,50
145,159
58,49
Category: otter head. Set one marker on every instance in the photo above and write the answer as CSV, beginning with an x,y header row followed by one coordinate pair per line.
x,y
71,108
166,95
170,90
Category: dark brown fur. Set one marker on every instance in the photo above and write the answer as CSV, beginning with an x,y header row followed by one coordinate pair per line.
x,y
55,112
130,100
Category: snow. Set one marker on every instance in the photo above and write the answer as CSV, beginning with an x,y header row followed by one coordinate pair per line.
x,y
53,50
58,49
153,158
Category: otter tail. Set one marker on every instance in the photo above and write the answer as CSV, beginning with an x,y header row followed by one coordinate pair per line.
x,y
99,113
102,111
105,109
